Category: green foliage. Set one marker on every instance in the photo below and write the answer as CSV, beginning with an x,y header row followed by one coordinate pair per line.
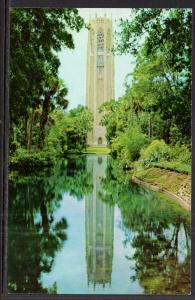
x,y
68,131
56,133
80,123
54,93
160,84
65,132
28,161
155,152
157,28
36,35
157,99
175,134
181,153
158,153
110,120
129,144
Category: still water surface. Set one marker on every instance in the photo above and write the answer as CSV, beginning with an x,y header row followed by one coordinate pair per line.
x,y
82,228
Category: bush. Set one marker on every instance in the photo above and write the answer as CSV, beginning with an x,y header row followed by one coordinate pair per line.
x,y
175,134
181,153
155,152
24,159
177,158
129,144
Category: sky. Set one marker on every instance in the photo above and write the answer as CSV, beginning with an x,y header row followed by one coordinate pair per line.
x,y
74,62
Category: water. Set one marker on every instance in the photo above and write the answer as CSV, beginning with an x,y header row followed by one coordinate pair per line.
x,y
82,228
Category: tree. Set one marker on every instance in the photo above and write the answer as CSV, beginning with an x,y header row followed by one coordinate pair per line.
x,y
36,36
162,41
54,95
68,131
81,120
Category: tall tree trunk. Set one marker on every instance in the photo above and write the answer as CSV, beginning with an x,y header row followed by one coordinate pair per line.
x,y
167,131
30,130
43,121
149,126
25,129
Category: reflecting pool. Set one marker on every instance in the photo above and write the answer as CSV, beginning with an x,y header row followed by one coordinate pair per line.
x,y
82,228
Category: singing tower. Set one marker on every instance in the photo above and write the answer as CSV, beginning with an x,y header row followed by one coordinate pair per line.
x,y
100,74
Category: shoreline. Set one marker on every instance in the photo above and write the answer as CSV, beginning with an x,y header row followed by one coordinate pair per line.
x,y
185,203
175,185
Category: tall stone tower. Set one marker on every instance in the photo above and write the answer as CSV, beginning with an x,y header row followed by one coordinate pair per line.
x,y
100,74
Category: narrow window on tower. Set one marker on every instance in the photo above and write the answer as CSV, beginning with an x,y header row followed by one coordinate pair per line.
x,y
100,66
100,41
100,61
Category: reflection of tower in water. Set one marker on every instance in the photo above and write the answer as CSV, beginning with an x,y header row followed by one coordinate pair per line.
x,y
99,222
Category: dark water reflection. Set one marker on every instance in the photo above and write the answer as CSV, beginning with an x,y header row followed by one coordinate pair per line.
x,y
82,228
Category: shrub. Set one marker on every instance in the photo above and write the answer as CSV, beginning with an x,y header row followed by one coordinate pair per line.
x,y
181,153
175,134
129,144
23,159
155,152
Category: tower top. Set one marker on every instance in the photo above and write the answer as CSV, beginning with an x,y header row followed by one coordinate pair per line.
x,y
100,17
97,20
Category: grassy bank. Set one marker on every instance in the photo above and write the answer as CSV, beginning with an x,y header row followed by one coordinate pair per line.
x,y
98,150
177,183
174,166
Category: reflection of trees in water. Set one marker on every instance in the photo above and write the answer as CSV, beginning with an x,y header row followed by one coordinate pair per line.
x,y
161,235
79,181
34,236
32,243
157,266
158,230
